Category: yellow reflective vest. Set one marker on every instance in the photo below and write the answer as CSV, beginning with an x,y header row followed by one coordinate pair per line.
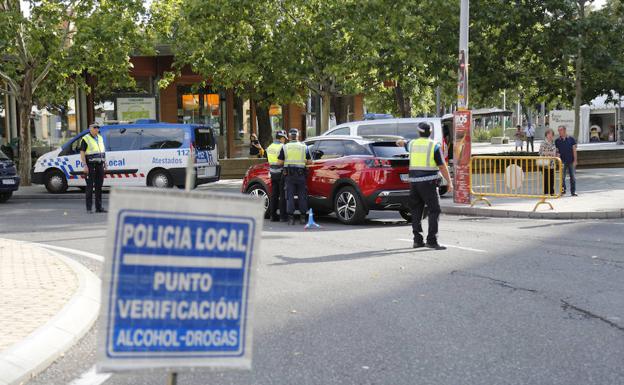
x,y
422,155
273,152
95,148
295,155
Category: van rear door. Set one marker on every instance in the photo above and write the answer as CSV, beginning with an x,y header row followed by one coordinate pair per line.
x,y
206,153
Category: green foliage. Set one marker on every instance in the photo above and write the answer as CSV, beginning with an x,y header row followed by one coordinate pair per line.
x,y
485,135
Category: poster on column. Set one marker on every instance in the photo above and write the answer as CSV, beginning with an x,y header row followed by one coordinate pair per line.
x,y
178,280
461,156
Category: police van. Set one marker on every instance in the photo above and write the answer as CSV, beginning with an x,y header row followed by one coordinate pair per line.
x,y
145,153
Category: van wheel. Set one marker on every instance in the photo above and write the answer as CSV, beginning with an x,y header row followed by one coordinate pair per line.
x,y
55,182
5,196
160,179
257,190
349,207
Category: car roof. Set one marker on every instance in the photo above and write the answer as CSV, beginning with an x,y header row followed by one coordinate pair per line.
x,y
359,139
382,121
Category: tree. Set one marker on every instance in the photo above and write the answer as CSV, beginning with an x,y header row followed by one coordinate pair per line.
x,y
321,36
234,45
51,46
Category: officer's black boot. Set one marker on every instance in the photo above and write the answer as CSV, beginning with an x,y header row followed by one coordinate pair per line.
x,y
302,219
291,220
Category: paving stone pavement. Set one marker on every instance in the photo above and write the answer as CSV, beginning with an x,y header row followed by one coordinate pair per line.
x,y
34,287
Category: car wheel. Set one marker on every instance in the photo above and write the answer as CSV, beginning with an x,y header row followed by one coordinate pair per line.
x,y
5,196
257,190
55,182
160,179
442,190
349,207
407,215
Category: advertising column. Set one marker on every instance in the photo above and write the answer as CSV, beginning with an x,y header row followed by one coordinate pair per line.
x,y
461,156
462,119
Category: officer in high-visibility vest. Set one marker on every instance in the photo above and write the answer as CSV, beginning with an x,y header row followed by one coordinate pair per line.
x,y
278,197
294,156
92,154
425,160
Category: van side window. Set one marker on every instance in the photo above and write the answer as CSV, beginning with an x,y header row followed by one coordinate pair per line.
x,y
378,129
123,139
341,131
409,130
162,138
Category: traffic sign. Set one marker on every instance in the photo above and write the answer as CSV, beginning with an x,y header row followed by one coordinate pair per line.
x,y
178,280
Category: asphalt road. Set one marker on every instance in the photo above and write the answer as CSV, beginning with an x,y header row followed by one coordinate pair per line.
x,y
512,301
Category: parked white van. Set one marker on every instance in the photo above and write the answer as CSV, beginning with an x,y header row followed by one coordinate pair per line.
x,y
146,153
405,127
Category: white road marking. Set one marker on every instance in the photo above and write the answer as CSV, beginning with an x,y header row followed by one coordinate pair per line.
x,y
452,246
96,257
90,377
182,261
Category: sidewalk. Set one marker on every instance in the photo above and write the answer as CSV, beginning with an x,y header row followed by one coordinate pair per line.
x,y
481,148
601,195
48,303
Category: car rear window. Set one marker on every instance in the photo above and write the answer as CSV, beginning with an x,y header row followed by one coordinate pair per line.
x,y
388,150
204,138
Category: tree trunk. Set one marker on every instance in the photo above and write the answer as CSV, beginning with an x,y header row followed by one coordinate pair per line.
x,y
578,85
341,108
326,105
25,161
264,124
399,98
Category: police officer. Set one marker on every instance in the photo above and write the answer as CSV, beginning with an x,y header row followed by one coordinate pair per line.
x,y
278,198
92,154
294,156
425,159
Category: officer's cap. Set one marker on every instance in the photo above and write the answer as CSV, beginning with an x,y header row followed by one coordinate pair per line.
x,y
293,132
280,134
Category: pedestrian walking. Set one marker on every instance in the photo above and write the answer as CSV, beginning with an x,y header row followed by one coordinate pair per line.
x,y
425,160
93,156
529,132
566,145
294,157
278,197
548,149
519,135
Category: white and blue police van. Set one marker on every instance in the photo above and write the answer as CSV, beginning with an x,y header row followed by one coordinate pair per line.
x,y
144,153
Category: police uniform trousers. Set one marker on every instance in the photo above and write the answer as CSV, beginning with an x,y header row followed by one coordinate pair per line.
x,y
278,195
95,179
296,184
425,194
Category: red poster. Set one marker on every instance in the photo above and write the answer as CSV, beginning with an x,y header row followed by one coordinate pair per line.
x,y
461,156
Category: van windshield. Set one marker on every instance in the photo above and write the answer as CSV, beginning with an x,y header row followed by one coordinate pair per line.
x,y
204,139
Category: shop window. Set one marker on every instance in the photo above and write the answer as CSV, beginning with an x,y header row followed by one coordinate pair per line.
x,y
201,106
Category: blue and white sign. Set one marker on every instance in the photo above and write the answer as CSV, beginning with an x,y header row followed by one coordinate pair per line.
x,y
177,290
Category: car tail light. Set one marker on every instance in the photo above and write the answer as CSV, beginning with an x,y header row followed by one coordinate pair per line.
x,y
379,163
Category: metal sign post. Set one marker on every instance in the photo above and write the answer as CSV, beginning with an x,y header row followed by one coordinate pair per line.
x,y
178,281
462,142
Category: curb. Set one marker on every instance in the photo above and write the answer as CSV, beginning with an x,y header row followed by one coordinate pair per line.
x,y
496,213
36,352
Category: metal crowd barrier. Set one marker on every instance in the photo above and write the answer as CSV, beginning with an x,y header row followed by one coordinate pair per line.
x,y
516,177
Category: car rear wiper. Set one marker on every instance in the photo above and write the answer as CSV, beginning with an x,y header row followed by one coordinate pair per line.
x,y
400,156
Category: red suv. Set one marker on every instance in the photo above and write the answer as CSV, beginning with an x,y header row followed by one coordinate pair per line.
x,y
350,176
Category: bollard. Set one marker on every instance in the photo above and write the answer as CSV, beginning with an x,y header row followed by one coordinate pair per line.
x,y
311,224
